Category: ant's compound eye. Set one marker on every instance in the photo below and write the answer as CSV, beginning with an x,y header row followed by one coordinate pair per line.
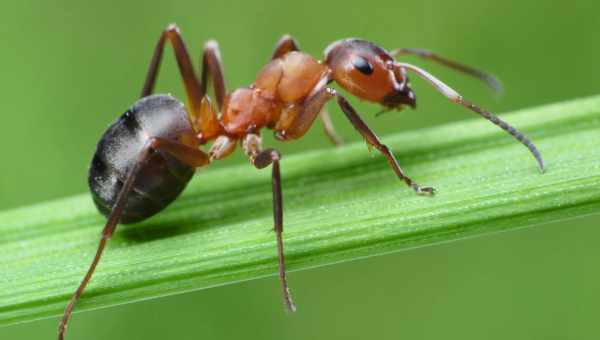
x,y
362,65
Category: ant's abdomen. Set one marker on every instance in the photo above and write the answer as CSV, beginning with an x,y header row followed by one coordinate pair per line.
x,y
161,178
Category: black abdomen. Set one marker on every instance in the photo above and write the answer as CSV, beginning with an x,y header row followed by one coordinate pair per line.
x,y
161,179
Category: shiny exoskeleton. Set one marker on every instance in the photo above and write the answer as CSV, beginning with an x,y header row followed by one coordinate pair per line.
x,y
145,159
161,179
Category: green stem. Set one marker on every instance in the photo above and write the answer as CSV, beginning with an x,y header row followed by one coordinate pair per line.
x,y
340,205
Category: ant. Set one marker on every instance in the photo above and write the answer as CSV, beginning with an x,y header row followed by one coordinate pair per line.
x,y
146,158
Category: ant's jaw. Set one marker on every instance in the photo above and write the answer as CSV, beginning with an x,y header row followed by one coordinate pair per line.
x,y
399,98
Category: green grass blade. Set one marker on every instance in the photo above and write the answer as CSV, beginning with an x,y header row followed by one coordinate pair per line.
x,y
340,205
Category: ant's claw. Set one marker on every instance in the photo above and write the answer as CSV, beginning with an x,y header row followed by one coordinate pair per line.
x,y
429,191
338,142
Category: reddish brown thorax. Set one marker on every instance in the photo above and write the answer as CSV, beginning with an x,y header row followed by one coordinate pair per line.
x,y
272,101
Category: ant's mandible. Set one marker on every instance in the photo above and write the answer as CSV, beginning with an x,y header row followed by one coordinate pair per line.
x,y
146,158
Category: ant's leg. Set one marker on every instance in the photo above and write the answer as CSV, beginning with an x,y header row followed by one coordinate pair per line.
x,y
329,129
212,67
261,159
188,155
109,229
206,122
288,44
313,106
373,140
190,81
284,45
303,116
489,79
222,147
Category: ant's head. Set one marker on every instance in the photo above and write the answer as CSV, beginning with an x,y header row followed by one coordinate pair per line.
x,y
369,72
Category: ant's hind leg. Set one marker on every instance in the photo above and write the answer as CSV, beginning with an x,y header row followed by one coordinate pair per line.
x,y
109,228
284,45
195,90
190,81
186,154
372,139
261,159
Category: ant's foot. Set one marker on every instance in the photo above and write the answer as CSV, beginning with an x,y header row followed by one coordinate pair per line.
x,y
337,141
425,191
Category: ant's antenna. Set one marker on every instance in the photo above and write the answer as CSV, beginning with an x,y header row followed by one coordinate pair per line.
x,y
491,81
454,96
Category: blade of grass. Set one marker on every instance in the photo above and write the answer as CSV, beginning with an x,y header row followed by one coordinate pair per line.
x,y
340,205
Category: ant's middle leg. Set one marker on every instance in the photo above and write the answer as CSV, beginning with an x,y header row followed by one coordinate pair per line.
x,y
212,67
252,145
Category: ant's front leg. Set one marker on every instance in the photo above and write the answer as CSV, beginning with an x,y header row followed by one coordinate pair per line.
x,y
304,115
329,129
252,145
313,105
190,81
288,44
372,139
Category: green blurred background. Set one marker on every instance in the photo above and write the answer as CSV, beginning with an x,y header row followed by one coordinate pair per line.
x,y
69,68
